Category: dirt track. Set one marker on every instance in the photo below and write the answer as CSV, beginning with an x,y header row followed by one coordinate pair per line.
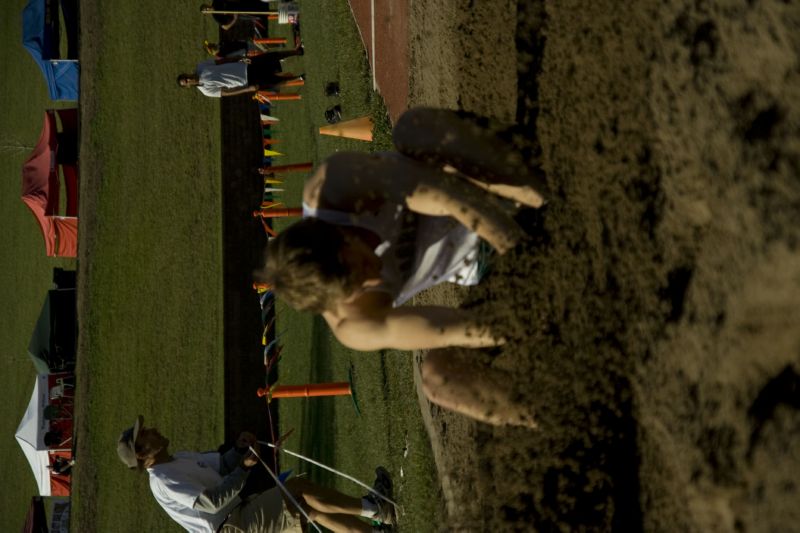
x,y
653,315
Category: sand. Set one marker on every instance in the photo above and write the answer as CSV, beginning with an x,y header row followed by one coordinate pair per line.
x,y
653,313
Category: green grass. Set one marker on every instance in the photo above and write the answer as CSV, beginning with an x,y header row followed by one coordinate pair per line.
x,y
151,276
150,265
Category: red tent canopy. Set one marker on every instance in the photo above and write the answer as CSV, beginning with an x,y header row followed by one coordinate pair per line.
x,y
40,184
36,520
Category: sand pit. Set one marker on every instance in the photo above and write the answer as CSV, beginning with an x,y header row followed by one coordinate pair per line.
x,y
653,314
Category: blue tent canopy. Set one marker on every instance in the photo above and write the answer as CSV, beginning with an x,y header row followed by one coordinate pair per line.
x,y
40,35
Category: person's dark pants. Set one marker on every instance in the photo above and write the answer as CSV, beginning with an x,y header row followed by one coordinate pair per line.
x,y
232,49
263,68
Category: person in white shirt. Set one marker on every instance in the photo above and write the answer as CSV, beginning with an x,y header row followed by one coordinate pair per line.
x,y
232,76
202,491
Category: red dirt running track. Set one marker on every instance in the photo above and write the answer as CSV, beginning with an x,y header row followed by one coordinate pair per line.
x,y
390,64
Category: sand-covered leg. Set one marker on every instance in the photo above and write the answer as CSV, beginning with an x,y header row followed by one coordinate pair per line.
x,y
455,379
440,136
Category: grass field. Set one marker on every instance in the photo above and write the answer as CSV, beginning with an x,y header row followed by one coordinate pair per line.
x,y
150,281
150,272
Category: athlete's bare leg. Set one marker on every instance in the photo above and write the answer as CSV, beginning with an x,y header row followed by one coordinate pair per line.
x,y
328,507
440,136
452,378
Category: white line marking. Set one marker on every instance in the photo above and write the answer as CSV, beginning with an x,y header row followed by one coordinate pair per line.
x,y
372,17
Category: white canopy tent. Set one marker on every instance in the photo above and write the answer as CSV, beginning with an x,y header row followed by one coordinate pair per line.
x,y
30,435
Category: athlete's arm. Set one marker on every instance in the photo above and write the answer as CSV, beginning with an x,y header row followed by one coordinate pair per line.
x,y
370,327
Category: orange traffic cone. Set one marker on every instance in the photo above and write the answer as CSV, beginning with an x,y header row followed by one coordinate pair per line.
x,y
357,128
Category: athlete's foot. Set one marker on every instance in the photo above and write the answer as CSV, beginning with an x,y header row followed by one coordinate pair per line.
x,y
383,485
523,195
510,415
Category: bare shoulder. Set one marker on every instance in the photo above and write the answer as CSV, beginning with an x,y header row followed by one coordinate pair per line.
x,y
313,186
366,306
359,323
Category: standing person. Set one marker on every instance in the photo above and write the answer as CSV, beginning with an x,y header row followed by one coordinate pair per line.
x,y
380,228
201,491
232,76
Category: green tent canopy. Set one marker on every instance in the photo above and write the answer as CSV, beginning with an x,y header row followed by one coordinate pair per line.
x,y
52,345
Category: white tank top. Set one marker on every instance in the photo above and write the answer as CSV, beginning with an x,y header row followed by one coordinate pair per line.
x,y
417,251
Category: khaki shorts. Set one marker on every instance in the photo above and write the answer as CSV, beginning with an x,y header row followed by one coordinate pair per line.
x,y
262,513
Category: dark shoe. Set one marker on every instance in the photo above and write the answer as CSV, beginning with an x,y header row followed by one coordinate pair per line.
x,y
332,88
383,486
334,114
383,482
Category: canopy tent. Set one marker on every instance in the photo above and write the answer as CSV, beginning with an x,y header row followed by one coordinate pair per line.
x,y
41,37
40,183
52,345
31,438
36,520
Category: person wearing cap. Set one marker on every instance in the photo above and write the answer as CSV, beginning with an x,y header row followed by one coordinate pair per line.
x,y
201,491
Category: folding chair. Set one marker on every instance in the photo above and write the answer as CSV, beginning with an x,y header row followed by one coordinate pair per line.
x,y
59,390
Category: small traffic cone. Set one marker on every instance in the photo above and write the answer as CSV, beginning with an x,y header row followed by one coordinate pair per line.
x,y
357,128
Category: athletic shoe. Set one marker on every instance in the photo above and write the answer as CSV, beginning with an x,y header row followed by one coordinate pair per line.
x,y
333,114
383,486
332,88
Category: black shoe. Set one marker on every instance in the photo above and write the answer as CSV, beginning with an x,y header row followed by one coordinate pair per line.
x,y
383,485
334,114
332,88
